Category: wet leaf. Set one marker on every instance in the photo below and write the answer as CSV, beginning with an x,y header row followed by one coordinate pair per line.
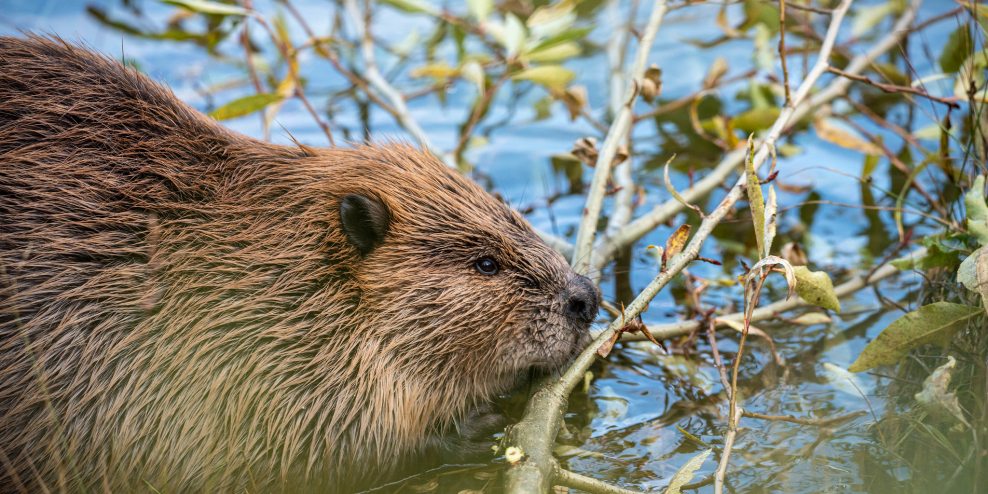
x,y
816,288
932,324
977,210
207,7
685,473
770,208
550,76
835,132
244,106
675,244
480,9
755,201
793,253
936,399
813,318
973,272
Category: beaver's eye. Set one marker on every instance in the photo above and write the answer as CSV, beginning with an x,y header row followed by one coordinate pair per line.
x,y
486,265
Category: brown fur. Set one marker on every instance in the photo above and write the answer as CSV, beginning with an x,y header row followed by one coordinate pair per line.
x,y
180,307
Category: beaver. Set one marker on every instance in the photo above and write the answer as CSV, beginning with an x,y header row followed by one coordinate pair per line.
x,y
188,309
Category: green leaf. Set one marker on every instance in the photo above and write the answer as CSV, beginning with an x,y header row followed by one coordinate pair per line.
x,y
480,9
816,288
935,323
977,210
563,37
553,53
245,106
973,272
870,162
755,200
685,473
412,6
550,76
936,399
756,119
514,34
956,50
207,7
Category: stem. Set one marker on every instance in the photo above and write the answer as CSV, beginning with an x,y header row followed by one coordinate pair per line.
x,y
782,49
615,136
572,480
891,88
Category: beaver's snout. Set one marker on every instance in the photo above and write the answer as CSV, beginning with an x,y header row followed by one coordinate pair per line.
x,y
580,301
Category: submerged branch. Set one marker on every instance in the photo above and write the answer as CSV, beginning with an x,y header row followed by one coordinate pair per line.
x,y
572,480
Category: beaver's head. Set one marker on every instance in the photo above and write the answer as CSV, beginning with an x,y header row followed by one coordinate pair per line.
x,y
461,281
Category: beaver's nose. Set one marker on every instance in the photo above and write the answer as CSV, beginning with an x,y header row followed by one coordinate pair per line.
x,y
580,300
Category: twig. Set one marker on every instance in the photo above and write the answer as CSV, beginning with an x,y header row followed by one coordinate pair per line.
x,y
293,72
726,456
676,330
790,418
374,77
712,338
891,88
615,137
483,101
661,214
782,49
572,480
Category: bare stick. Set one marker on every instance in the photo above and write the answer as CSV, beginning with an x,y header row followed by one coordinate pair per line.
x,y
790,418
374,77
678,329
782,49
646,223
586,484
891,88
615,137
728,445
712,337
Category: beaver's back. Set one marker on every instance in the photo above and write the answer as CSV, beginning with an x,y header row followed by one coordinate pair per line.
x,y
136,239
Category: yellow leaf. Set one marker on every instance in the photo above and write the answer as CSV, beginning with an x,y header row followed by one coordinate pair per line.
x,y
436,71
835,132
755,200
675,243
550,76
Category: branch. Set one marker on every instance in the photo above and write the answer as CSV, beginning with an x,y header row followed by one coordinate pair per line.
x,y
374,77
661,214
678,329
572,480
615,136
728,445
891,88
535,434
790,418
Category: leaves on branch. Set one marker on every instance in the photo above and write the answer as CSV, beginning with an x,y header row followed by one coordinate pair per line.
x,y
973,272
672,190
207,7
675,244
550,76
755,200
977,210
816,288
936,323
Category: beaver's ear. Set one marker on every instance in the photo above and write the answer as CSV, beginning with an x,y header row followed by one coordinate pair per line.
x,y
365,221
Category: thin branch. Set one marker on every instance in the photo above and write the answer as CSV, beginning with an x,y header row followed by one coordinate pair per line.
x,y
726,456
712,337
782,49
790,418
679,329
661,214
615,137
891,88
572,480
378,82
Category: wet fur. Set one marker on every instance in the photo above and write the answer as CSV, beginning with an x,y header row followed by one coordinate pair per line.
x,y
179,305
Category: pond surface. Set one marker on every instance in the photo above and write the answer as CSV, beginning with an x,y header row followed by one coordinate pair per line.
x,y
627,426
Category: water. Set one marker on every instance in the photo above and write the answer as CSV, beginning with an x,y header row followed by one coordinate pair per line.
x,y
623,428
